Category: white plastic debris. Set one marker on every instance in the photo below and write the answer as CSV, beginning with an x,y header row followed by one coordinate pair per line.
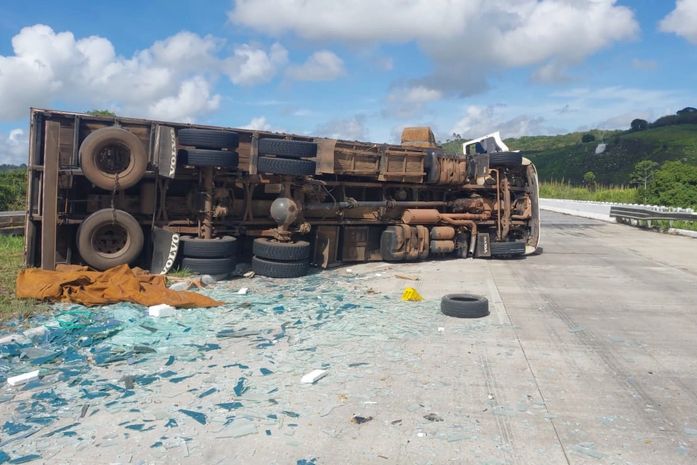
x,y
441,329
10,338
313,376
180,286
23,378
243,291
37,331
161,311
349,270
249,274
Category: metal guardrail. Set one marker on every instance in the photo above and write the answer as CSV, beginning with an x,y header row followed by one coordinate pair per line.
x,y
12,222
648,214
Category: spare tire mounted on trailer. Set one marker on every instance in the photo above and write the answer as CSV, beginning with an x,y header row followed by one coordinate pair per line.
x,y
113,158
108,238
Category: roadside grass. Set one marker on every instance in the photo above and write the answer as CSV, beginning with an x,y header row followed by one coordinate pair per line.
x,y
12,252
562,190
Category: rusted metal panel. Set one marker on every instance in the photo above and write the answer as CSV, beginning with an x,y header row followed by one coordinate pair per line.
x,y
326,246
49,211
361,244
325,155
401,166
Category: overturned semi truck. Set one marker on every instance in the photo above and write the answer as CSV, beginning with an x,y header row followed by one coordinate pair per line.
x,y
106,191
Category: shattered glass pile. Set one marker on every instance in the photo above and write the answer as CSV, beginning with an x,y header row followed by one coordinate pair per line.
x,y
229,368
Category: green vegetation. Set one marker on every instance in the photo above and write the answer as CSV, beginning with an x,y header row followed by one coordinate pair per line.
x,y
101,113
565,190
675,184
13,189
12,251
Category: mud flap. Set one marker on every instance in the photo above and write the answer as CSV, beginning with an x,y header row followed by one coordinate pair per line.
x,y
164,252
483,246
166,150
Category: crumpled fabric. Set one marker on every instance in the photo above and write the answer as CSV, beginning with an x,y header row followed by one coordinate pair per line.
x,y
79,284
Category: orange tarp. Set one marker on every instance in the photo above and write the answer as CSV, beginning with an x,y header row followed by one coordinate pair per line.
x,y
78,284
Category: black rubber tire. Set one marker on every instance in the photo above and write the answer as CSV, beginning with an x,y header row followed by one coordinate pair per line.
x,y
102,139
464,306
285,166
274,269
92,228
208,248
287,148
212,266
208,138
203,157
507,249
281,251
506,159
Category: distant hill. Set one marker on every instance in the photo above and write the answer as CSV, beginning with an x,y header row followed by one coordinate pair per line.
x,y
567,157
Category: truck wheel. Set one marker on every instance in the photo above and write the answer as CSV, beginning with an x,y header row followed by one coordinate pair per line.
x,y
108,154
287,148
283,251
464,306
212,266
208,138
202,157
285,166
506,159
274,269
507,249
208,248
108,238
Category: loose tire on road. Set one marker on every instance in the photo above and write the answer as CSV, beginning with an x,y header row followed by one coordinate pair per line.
x,y
212,266
285,166
195,247
111,154
507,249
208,138
204,157
506,159
108,238
274,269
464,306
287,148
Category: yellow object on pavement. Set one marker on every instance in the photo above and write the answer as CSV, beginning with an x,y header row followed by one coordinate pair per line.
x,y
410,294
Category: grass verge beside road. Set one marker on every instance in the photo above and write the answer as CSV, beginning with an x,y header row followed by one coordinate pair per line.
x,y
561,190
12,253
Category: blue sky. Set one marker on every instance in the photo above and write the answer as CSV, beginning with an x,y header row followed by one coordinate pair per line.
x,y
359,70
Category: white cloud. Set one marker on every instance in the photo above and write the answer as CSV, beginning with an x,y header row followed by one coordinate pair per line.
x,y
14,147
173,79
682,20
258,123
251,64
320,66
408,101
49,65
551,73
467,40
194,97
349,129
479,120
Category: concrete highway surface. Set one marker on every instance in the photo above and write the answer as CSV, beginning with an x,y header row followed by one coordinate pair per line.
x,y
589,356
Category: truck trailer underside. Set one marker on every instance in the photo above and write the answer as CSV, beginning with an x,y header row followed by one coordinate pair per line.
x,y
107,191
